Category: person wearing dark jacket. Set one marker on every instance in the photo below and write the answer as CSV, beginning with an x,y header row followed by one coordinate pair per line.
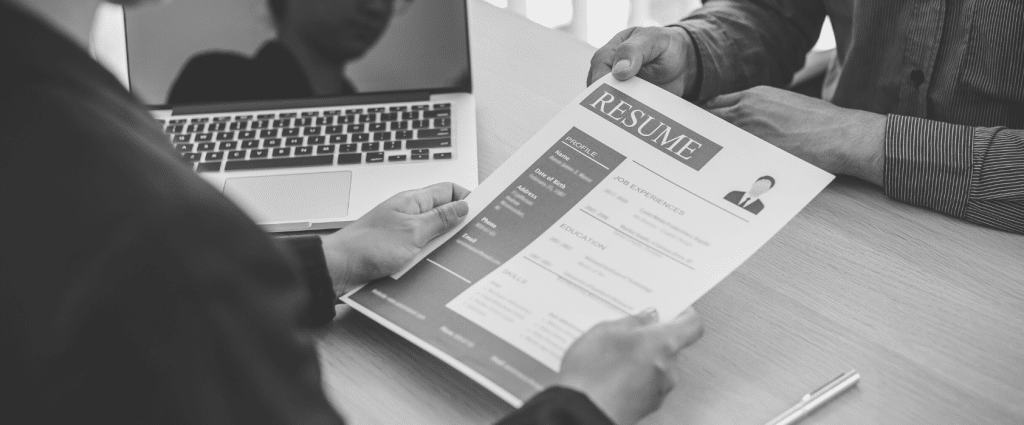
x,y
133,292
923,98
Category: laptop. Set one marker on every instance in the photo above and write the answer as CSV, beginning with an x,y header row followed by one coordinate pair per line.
x,y
309,113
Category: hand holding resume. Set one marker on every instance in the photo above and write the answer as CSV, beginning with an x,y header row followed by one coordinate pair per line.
x,y
630,198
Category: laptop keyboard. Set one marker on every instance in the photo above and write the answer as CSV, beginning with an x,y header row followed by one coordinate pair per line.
x,y
403,133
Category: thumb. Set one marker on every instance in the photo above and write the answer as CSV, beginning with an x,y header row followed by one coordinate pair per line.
x,y
646,317
681,331
627,60
443,218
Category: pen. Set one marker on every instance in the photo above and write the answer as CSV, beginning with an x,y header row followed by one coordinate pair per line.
x,y
816,399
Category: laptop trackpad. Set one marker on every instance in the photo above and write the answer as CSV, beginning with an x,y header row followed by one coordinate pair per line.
x,y
294,197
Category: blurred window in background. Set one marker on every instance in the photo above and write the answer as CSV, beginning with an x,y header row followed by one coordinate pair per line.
x,y
596,21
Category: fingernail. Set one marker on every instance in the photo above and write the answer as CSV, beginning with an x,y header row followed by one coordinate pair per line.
x,y
461,208
650,314
621,65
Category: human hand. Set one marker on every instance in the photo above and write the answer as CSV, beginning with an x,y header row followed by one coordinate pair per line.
x,y
837,140
623,365
387,237
664,56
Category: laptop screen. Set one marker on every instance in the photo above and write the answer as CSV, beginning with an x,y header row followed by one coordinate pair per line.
x,y
206,51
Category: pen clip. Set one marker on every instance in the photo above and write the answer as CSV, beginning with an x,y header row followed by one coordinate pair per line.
x,y
828,385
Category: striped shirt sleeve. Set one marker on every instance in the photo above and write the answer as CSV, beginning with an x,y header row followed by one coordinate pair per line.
x,y
976,173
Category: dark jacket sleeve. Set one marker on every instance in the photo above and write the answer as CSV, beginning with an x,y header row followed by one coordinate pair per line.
x,y
312,267
557,406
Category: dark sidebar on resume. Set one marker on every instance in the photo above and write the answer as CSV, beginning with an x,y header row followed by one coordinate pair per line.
x,y
543,193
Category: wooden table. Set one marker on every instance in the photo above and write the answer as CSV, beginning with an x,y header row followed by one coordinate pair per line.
x,y
929,309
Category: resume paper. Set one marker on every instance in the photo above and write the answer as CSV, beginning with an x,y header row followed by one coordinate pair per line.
x,y
629,198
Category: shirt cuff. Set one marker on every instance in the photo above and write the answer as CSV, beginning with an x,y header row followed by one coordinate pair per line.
x,y
928,163
558,406
309,251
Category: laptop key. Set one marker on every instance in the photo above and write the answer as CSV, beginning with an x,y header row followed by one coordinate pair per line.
x,y
204,137
378,126
243,117
375,110
391,116
400,125
192,156
325,120
265,117
222,119
287,115
290,162
355,128
429,143
293,141
315,140
195,128
214,156
173,129
339,138
421,124
311,113
208,167
420,157
432,133
227,146
304,150
370,147
396,158
238,125
420,151
348,148
361,137
373,157
250,144
271,143
403,134
355,111
438,113
333,129
226,135
397,108
256,153
390,146
206,146
184,147
236,155
443,155
420,107
302,122
442,122
268,133
247,134
332,112
290,132
350,158
325,149
182,138
382,136
217,126
195,120
368,118
414,115
282,152
346,119
178,121
442,106
259,125
311,131
281,123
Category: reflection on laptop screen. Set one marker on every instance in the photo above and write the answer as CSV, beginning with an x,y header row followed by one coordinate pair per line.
x,y
201,51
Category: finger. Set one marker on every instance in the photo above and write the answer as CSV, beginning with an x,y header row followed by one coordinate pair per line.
x,y
439,220
436,195
723,101
601,62
646,317
681,331
631,55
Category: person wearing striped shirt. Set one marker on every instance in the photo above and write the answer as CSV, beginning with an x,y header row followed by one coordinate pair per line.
x,y
923,98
